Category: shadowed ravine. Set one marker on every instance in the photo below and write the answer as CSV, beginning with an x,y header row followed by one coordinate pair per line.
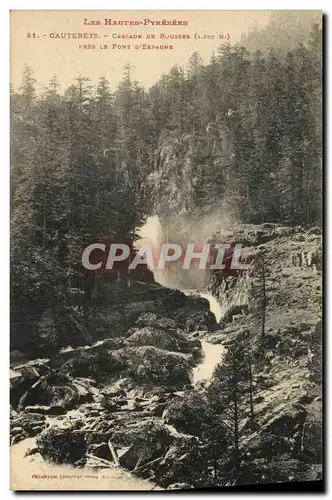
x,y
51,476
144,383
152,233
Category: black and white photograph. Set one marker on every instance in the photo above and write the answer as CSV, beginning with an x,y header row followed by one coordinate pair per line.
x,y
166,207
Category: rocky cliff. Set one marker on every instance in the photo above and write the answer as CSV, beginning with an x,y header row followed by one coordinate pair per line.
x,y
277,303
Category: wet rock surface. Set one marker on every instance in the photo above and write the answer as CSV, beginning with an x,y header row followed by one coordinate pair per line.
x,y
24,425
127,399
103,403
284,389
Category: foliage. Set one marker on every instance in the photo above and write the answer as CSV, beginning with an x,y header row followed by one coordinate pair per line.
x,y
315,354
101,365
231,391
70,185
240,135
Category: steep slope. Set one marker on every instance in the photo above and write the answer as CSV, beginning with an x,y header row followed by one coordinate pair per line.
x,y
278,304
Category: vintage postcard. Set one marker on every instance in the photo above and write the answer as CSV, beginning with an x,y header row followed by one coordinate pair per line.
x,y
166,250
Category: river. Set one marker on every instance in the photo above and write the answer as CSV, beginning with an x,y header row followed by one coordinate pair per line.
x,y
212,356
52,477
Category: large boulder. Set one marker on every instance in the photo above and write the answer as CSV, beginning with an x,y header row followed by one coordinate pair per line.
x,y
25,425
173,340
141,441
100,450
56,390
158,367
46,410
156,321
61,445
19,384
189,414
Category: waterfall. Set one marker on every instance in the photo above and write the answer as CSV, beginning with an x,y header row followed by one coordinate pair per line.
x,y
215,307
180,231
152,233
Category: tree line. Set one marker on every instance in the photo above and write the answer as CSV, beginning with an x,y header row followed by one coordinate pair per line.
x,y
241,133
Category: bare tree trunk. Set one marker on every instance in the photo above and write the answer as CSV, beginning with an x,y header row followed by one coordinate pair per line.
x,y
94,287
263,304
236,428
215,462
250,386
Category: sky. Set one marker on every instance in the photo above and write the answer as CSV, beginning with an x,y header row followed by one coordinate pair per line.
x,y
34,42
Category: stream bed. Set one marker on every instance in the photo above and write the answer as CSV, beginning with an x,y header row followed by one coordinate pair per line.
x,y
212,356
36,474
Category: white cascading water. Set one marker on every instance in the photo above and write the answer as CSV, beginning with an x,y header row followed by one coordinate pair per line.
x,y
212,356
151,233
215,307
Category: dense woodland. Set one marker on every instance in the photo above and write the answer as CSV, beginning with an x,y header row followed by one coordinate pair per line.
x,y
238,138
240,134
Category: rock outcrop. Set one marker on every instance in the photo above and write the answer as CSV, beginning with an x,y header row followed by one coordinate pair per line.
x,y
127,400
277,303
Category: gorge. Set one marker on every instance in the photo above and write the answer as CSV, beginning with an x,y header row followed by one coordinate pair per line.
x,y
175,378
155,377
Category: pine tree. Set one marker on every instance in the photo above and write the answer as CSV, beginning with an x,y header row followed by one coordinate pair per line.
x,y
27,90
231,393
